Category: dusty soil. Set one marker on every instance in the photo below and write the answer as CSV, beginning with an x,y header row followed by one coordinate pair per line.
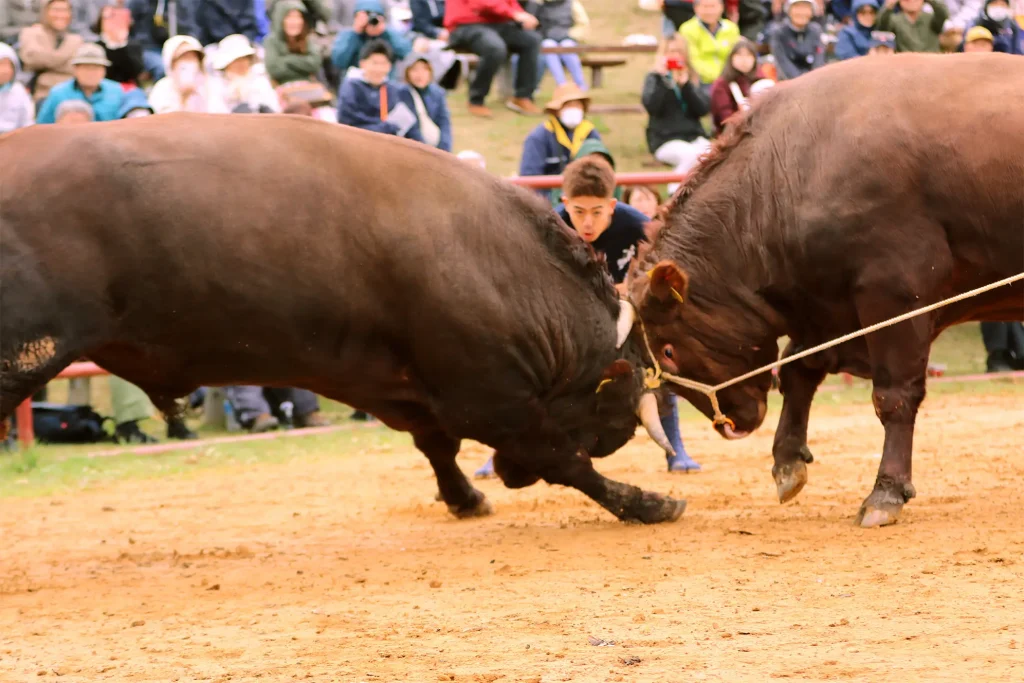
x,y
344,569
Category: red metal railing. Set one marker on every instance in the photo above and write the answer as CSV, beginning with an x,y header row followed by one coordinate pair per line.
x,y
26,432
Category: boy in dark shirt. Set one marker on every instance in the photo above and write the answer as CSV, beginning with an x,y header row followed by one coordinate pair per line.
x,y
615,230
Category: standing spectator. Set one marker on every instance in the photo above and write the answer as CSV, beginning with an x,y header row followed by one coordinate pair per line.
x,y
47,48
291,54
882,43
73,111
731,91
431,102
796,42
491,29
215,20
855,37
1004,343
556,24
644,198
370,24
998,19
550,146
151,23
675,104
428,19
370,101
16,108
89,84
184,87
134,105
124,52
710,39
916,30
678,12
979,39
237,84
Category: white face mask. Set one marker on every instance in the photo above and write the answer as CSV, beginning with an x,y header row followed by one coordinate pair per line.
x,y
571,117
186,73
998,13
137,113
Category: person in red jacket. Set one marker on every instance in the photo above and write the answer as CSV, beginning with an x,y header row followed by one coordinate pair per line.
x,y
491,29
730,92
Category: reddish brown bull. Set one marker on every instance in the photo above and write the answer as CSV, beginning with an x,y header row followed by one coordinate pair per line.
x,y
846,197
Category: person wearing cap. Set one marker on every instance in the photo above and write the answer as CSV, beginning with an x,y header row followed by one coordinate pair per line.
x,y
237,83
184,88
1005,33
89,84
290,51
882,43
47,48
916,30
367,99
709,38
550,146
430,100
855,37
796,42
16,107
595,147
978,39
369,23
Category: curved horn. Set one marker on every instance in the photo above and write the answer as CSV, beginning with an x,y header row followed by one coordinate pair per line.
x,y
648,413
627,314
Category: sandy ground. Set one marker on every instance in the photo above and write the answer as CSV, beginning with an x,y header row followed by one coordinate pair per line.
x,y
344,569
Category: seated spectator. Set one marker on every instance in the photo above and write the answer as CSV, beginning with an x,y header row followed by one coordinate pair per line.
x,y
998,20
84,16
882,43
677,12
855,37
731,91
1004,344
131,405
796,42
473,158
89,84
596,147
151,23
237,84
47,48
253,410
368,100
291,53
184,87
556,24
916,30
644,198
675,104
962,14
73,111
298,108
431,102
491,29
123,52
215,20
16,108
751,17
428,19
979,39
709,38
550,146
369,24
314,10
134,105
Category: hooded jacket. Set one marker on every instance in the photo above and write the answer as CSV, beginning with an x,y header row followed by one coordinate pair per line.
x,y
47,54
854,39
359,106
550,146
345,53
1007,35
797,52
16,108
435,103
215,20
284,66
165,96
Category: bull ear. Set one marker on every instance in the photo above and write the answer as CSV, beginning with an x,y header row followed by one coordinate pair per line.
x,y
668,282
616,370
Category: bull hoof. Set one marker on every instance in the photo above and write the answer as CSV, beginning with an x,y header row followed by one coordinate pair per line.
x,y
790,479
478,507
884,505
655,508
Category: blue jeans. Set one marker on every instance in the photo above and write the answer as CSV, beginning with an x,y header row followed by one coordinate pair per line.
x,y
571,61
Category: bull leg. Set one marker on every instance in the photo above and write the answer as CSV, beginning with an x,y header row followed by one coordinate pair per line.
x,y
26,371
798,383
462,499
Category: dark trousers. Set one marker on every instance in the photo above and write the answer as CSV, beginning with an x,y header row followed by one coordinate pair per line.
x,y
493,43
1003,337
249,402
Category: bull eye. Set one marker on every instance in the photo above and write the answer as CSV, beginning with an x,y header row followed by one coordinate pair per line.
x,y
668,352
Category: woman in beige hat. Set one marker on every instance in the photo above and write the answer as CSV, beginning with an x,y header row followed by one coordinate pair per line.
x,y
184,86
237,86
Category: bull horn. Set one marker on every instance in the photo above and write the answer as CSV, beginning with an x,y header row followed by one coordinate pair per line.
x,y
648,413
627,314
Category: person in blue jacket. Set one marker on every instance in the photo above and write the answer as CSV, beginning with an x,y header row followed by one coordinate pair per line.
x,y
998,18
215,20
134,105
430,100
89,85
428,18
370,101
368,23
855,38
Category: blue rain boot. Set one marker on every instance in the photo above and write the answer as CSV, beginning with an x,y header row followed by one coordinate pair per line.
x,y
681,462
486,470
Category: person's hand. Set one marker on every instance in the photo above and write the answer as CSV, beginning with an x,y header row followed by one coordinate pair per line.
x,y
526,20
359,21
660,65
421,44
443,35
733,15
681,76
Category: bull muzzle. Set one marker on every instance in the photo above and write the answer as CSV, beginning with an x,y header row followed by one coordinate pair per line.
x,y
627,315
648,413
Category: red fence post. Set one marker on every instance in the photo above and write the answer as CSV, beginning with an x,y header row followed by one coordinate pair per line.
x,y
26,432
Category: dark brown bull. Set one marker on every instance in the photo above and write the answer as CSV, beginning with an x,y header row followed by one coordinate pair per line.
x,y
846,197
187,250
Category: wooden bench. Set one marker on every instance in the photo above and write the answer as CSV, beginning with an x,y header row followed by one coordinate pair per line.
x,y
596,63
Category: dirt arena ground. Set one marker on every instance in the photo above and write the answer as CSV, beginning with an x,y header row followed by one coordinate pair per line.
x,y
344,569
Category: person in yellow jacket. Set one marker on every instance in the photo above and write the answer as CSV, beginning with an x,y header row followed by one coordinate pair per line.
x,y
710,37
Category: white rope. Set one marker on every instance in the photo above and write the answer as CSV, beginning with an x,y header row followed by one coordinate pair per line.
x,y
654,376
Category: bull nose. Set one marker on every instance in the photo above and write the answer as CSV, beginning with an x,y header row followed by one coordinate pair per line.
x,y
730,432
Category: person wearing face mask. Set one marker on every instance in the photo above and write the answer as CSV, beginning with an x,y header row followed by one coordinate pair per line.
x,y
16,108
47,48
550,146
237,83
1007,35
184,87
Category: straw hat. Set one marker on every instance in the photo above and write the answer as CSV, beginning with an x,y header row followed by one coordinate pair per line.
x,y
565,93
231,48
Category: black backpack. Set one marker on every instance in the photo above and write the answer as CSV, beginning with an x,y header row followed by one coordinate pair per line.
x,y
62,423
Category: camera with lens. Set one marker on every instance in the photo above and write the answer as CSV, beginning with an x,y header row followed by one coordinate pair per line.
x,y
374,19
